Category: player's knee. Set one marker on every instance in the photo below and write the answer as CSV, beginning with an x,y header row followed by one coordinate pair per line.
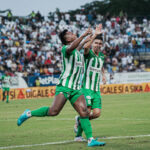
x,y
53,112
84,112
96,113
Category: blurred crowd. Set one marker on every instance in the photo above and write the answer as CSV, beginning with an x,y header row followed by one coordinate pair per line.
x,y
31,46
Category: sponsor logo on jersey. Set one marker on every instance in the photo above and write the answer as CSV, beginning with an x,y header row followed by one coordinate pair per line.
x,y
94,69
79,64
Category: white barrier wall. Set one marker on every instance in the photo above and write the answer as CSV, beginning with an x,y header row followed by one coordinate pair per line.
x,y
117,78
135,77
18,82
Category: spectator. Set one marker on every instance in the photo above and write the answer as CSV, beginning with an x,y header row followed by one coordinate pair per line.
x,y
9,15
37,82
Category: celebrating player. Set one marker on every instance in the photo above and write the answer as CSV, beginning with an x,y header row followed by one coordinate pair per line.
x,y
68,87
94,60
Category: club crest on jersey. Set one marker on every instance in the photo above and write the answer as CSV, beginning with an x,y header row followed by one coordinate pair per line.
x,y
89,102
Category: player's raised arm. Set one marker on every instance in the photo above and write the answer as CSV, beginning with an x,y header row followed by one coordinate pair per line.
x,y
87,46
76,43
71,40
84,42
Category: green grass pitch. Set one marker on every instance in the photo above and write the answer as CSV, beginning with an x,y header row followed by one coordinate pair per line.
x,y
125,117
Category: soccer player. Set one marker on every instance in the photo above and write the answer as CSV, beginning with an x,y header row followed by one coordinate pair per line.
x,y
68,87
5,79
94,60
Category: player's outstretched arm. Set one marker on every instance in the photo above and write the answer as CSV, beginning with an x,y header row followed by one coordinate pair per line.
x,y
84,42
76,43
87,46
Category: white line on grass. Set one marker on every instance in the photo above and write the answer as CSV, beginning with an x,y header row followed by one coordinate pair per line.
x,y
68,119
70,141
42,144
125,137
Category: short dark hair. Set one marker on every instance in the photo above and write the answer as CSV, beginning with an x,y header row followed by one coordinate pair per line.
x,y
99,37
62,35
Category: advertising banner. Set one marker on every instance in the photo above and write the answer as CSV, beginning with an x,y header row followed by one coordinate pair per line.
x,y
43,80
30,93
124,88
43,92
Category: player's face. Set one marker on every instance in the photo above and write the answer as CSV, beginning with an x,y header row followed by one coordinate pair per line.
x,y
97,45
70,37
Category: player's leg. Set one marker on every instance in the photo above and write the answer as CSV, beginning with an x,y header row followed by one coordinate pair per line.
x,y
77,127
4,90
96,106
58,103
7,97
95,113
81,107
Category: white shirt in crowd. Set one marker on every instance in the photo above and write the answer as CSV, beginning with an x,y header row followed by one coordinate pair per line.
x,y
124,61
129,59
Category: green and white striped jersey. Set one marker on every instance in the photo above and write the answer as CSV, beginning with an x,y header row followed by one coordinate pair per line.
x,y
5,81
92,74
72,66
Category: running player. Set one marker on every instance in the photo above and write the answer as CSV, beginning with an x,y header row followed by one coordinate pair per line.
x,y
68,87
94,60
5,79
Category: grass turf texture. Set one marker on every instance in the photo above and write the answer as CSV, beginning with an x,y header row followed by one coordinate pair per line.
x,y
122,115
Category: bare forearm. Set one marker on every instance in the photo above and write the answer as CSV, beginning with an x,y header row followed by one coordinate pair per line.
x,y
103,71
74,44
80,46
88,44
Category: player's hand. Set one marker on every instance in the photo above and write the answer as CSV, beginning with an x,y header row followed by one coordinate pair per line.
x,y
88,31
88,38
98,29
104,79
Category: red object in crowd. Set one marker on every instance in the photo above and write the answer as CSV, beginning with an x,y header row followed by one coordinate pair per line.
x,y
47,61
113,24
20,67
117,19
11,74
29,53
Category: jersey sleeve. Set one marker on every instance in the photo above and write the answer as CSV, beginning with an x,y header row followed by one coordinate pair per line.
x,y
64,48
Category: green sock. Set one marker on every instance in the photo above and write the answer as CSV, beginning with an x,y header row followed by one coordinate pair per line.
x,y
79,132
86,126
7,98
3,96
41,112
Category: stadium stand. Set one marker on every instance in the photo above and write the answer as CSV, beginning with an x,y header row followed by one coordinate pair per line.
x,y
31,46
